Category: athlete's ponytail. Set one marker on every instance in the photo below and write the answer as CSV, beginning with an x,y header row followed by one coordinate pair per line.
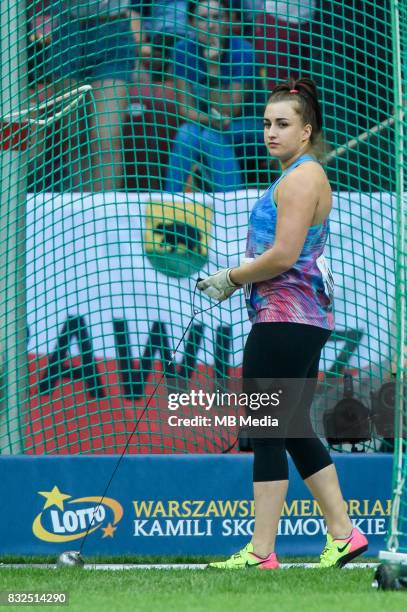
x,y
304,92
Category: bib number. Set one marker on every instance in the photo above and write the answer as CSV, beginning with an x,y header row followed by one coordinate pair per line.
x,y
247,289
327,276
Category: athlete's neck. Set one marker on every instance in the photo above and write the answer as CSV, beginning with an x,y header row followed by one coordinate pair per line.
x,y
289,162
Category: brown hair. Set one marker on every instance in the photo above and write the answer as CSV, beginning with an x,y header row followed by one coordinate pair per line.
x,y
304,91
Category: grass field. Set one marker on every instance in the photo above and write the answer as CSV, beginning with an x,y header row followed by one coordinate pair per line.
x,y
295,589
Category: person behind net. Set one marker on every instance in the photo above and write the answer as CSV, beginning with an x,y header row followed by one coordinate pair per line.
x,y
94,41
215,83
291,309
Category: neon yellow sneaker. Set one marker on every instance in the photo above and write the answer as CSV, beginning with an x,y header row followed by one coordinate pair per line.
x,y
246,559
338,552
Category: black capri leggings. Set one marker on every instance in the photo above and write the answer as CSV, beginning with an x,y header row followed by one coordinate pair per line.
x,y
287,350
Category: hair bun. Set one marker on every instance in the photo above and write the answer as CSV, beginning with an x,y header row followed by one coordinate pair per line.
x,y
307,86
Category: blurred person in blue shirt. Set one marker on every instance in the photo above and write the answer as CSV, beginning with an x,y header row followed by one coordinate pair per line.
x,y
164,23
216,82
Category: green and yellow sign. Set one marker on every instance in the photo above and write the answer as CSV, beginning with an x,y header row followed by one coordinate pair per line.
x,y
176,236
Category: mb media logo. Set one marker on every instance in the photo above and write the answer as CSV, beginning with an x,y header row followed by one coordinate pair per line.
x,y
176,236
56,523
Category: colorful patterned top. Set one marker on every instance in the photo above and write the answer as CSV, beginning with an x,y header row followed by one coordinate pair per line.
x,y
303,294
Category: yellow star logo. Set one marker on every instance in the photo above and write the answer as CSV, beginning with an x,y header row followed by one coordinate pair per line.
x,y
54,498
108,531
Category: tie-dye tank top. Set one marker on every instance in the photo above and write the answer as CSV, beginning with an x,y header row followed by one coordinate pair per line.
x,y
302,294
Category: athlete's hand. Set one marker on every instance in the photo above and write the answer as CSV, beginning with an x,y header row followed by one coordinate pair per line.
x,y
218,286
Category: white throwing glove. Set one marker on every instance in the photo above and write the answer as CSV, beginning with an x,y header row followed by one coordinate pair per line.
x,y
218,286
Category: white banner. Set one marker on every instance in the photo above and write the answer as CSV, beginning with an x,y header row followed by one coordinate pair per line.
x,y
86,256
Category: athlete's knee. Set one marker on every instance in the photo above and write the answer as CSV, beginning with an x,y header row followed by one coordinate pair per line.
x,y
309,455
270,459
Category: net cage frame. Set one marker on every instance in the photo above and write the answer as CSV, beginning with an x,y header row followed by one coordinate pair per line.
x,y
399,34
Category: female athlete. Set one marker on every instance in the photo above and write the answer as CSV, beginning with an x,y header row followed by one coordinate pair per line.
x,y
289,293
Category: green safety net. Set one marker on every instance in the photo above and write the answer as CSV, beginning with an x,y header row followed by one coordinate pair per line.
x,y
131,155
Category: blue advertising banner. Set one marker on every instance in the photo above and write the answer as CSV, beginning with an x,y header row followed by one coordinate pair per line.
x,y
172,505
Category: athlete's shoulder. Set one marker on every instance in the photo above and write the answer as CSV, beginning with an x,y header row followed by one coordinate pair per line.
x,y
299,180
309,175
308,167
